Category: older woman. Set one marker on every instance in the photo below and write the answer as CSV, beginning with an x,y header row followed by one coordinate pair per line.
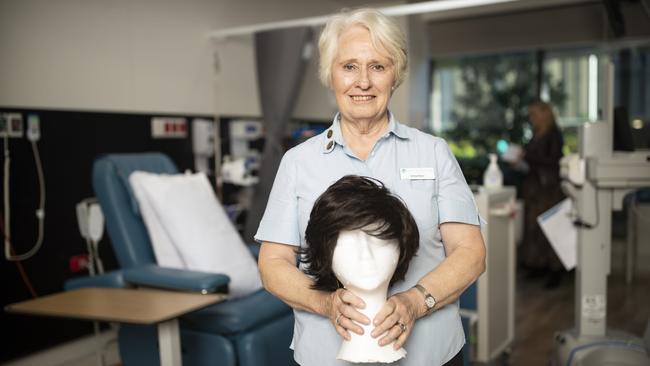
x,y
362,60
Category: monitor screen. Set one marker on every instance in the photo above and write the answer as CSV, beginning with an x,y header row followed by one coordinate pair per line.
x,y
622,131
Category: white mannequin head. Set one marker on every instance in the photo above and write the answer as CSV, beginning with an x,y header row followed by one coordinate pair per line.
x,y
365,264
363,261
363,237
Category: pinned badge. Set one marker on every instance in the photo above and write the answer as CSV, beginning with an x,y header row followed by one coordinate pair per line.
x,y
417,173
330,143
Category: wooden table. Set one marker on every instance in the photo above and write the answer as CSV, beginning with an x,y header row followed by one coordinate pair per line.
x,y
133,306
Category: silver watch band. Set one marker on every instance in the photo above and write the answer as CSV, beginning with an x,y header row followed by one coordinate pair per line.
x,y
429,300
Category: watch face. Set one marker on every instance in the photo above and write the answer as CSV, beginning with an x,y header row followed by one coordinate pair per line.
x,y
430,302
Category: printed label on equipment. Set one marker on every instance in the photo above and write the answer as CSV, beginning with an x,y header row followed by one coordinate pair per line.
x,y
594,307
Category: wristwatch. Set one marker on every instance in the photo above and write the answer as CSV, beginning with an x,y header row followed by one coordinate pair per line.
x,y
429,300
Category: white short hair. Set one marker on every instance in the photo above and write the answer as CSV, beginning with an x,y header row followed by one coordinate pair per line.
x,y
385,35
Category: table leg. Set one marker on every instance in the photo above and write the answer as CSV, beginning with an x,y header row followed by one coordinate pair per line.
x,y
99,353
169,343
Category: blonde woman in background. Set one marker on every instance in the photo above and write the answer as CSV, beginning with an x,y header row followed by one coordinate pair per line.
x,y
541,191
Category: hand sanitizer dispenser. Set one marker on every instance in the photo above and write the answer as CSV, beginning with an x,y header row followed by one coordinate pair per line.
x,y
493,178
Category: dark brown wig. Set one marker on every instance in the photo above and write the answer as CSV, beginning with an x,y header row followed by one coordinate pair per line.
x,y
354,203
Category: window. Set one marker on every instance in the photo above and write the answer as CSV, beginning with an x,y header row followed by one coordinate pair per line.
x,y
575,75
480,100
479,104
632,90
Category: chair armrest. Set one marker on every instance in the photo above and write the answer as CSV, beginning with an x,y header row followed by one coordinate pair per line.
x,y
177,279
113,279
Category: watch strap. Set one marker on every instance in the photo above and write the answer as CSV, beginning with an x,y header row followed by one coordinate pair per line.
x,y
426,295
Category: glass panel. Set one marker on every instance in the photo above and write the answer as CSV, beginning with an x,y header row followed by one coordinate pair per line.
x,y
571,73
479,105
575,75
480,100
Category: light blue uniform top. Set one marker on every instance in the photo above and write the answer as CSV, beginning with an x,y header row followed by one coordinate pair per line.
x,y
309,168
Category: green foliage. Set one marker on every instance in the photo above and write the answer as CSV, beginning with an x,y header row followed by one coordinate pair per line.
x,y
570,135
496,91
462,149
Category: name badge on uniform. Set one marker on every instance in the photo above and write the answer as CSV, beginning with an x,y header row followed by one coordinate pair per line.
x,y
416,173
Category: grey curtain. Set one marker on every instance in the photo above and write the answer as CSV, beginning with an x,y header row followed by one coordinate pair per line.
x,y
280,70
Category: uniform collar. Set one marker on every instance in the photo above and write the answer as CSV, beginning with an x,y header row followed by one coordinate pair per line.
x,y
333,135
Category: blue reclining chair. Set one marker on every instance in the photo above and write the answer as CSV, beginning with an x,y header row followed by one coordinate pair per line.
x,y
252,331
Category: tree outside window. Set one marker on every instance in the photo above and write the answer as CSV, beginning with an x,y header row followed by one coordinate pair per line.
x,y
480,103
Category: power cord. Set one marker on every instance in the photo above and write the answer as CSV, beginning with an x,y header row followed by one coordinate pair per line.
x,y
40,212
634,206
578,222
19,265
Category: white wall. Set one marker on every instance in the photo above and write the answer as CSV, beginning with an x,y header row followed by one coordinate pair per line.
x,y
144,55
236,80
117,55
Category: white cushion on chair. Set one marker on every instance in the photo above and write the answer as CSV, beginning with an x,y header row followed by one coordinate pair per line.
x,y
186,211
166,253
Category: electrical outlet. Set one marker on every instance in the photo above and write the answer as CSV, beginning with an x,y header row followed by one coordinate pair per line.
x,y
168,127
11,125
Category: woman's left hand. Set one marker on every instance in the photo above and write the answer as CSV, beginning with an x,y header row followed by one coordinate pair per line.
x,y
395,319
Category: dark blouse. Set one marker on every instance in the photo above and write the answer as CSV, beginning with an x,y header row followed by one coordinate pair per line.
x,y
543,154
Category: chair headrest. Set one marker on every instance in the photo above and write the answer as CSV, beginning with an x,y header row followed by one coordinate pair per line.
x,y
125,164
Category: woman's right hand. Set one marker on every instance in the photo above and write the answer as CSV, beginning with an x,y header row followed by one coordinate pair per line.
x,y
344,315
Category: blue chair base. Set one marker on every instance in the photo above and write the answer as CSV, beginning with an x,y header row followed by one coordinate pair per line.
x,y
265,342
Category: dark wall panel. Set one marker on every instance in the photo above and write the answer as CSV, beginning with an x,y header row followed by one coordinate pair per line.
x,y
70,141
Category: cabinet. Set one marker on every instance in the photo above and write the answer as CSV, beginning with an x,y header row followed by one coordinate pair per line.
x,y
488,305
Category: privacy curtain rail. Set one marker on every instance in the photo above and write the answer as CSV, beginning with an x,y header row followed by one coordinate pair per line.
x,y
433,10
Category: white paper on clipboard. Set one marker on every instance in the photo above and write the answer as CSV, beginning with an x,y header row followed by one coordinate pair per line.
x,y
557,225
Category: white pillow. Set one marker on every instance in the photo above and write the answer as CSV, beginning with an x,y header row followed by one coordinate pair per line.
x,y
166,253
191,216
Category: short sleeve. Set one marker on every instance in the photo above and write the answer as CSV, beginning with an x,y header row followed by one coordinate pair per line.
x,y
280,221
455,199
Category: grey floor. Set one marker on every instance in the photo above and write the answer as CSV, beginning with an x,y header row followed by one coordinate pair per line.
x,y
541,312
